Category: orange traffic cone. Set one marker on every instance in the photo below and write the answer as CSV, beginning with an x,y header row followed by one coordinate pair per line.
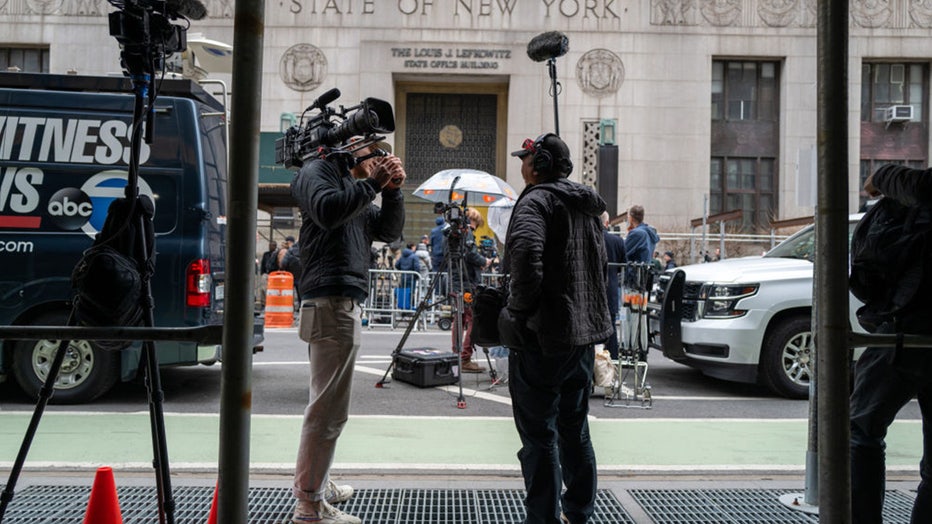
x,y
212,517
103,507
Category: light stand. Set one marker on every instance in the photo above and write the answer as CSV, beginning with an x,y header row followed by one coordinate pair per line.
x,y
166,503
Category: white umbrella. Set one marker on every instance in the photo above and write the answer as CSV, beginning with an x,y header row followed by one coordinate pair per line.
x,y
499,215
479,187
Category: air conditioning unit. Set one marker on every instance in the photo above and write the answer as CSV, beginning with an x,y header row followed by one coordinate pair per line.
x,y
898,114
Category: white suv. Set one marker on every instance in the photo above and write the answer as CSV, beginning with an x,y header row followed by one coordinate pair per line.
x,y
745,319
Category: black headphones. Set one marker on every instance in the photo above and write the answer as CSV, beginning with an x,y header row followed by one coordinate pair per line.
x,y
544,161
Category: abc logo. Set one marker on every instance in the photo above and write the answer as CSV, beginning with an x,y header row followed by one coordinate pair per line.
x,y
70,208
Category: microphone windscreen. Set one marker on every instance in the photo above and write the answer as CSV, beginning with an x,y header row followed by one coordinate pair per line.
x,y
545,46
326,98
190,9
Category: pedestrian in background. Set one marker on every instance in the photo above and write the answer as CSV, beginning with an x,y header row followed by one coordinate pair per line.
x,y
615,251
423,256
641,239
472,266
409,262
669,262
556,312
437,245
265,267
339,223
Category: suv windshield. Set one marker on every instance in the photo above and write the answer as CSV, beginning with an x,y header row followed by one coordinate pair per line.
x,y
802,244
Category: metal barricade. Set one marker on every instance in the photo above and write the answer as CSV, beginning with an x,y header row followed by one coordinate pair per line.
x,y
439,313
393,298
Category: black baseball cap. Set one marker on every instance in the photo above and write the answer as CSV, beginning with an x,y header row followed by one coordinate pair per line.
x,y
559,151
549,141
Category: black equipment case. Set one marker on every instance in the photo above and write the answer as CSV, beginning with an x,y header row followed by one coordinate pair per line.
x,y
426,367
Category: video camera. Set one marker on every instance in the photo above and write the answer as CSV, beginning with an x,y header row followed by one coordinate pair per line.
x,y
145,31
329,130
456,228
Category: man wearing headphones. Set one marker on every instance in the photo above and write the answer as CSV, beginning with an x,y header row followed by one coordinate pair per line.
x,y
557,310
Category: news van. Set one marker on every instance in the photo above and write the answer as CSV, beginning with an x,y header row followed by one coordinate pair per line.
x,y
64,152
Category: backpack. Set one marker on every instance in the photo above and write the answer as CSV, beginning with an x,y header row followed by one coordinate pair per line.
x,y
888,248
108,280
291,261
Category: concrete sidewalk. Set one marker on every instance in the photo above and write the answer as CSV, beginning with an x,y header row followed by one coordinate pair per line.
x,y
423,470
60,497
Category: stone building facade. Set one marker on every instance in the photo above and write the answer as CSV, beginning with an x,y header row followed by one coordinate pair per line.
x,y
710,103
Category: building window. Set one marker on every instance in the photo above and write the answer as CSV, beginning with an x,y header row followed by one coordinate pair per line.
x,y
889,84
743,183
27,59
744,90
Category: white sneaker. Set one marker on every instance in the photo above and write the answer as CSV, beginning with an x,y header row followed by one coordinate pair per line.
x,y
305,513
336,494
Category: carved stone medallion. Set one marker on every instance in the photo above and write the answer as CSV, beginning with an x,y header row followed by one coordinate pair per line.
x,y
721,13
920,11
599,72
43,7
303,67
451,136
778,13
871,13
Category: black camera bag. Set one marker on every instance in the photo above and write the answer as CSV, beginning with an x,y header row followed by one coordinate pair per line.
x,y
487,304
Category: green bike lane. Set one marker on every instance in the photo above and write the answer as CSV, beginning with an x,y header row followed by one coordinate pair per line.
x,y
78,440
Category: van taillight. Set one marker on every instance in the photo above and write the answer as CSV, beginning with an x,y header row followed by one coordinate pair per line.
x,y
197,284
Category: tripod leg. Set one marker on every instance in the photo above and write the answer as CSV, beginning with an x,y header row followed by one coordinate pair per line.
x,y
457,267
493,374
159,447
44,395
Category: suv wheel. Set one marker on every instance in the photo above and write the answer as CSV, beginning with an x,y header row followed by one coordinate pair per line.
x,y
86,371
786,358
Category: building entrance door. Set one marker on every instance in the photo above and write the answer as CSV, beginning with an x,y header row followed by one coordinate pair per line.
x,y
446,126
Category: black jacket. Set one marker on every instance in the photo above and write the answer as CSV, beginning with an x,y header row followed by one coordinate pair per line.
x,y
339,224
556,258
911,187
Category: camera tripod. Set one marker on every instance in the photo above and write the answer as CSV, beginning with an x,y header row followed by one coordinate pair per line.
x,y
454,270
139,247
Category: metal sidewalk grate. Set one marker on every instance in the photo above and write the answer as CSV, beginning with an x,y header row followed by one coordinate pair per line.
x,y
743,506
67,504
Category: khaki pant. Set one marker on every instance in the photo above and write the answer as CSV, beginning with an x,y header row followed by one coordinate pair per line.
x,y
331,326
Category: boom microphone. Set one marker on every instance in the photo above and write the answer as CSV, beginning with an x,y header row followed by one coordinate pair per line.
x,y
190,9
545,46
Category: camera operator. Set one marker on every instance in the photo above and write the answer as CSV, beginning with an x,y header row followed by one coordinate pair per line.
x,y
339,223
473,264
